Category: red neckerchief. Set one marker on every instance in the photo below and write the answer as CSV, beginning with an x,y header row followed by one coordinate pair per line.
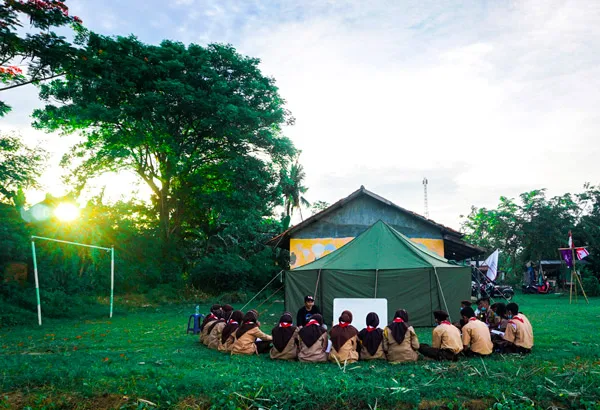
x,y
344,324
370,328
232,322
445,322
519,319
312,322
284,324
398,320
472,319
211,316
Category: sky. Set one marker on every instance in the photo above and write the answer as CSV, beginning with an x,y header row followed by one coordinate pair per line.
x,y
483,98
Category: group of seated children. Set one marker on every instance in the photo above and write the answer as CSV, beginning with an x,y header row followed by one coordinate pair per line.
x,y
231,331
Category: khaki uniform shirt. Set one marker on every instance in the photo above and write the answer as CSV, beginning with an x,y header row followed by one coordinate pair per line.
x,y
226,347
347,353
476,334
246,344
519,331
204,332
289,352
315,353
401,352
214,337
446,336
365,355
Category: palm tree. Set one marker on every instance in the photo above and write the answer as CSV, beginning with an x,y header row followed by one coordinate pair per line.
x,y
293,189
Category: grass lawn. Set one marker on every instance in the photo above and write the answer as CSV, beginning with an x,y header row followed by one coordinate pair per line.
x,y
143,359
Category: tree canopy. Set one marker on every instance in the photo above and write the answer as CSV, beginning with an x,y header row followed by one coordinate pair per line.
x,y
200,125
534,227
45,53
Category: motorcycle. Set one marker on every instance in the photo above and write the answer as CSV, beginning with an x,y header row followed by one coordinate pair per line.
x,y
491,290
536,288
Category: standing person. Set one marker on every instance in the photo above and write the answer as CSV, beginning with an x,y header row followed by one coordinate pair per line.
x,y
400,342
306,311
446,341
214,330
344,340
518,337
245,336
212,316
227,335
312,341
476,338
285,335
370,339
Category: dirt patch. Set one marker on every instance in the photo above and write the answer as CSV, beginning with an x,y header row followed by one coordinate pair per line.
x,y
443,404
195,403
40,399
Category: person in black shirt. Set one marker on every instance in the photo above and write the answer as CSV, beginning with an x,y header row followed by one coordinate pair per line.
x,y
307,311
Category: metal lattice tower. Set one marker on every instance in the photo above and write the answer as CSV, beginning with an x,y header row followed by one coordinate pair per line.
x,y
425,196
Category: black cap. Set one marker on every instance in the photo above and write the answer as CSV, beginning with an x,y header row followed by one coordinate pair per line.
x,y
309,298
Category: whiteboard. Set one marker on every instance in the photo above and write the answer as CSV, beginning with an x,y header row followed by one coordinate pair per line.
x,y
360,308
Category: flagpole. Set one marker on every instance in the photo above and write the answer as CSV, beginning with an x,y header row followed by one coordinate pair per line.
x,y
574,273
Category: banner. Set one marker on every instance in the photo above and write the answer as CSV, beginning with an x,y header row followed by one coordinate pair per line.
x,y
492,263
581,253
567,256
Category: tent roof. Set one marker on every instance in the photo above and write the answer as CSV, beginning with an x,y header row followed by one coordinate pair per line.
x,y
379,247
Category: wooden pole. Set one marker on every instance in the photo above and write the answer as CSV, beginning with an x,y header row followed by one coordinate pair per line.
x,y
573,272
582,289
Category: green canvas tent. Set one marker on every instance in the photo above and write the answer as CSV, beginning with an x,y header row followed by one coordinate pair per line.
x,y
382,263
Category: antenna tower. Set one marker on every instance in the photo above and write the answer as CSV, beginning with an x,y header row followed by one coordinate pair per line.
x,y
425,196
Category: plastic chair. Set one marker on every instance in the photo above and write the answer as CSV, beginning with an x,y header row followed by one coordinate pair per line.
x,y
194,323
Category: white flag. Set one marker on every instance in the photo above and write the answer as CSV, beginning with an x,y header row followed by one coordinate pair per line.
x,y
492,263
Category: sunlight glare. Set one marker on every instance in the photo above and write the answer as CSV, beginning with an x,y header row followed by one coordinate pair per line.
x,y
66,212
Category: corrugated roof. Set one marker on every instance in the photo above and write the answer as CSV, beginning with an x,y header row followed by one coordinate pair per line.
x,y
361,191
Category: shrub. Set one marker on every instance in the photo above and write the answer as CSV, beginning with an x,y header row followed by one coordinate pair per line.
x,y
591,286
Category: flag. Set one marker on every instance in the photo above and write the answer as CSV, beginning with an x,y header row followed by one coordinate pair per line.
x,y
581,253
492,264
570,240
567,256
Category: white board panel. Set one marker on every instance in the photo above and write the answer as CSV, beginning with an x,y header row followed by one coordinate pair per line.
x,y
360,308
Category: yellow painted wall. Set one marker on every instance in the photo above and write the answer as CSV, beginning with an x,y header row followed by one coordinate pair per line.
x,y
308,250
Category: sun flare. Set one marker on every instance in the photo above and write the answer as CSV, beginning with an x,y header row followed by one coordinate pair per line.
x,y
66,212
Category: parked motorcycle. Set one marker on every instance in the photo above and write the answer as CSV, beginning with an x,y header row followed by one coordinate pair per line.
x,y
491,290
536,288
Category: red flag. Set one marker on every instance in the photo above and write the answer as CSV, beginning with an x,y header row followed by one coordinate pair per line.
x,y
570,240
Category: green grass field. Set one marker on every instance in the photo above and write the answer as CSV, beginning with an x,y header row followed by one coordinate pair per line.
x,y
143,359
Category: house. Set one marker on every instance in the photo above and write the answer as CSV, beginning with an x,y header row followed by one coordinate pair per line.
x,y
338,224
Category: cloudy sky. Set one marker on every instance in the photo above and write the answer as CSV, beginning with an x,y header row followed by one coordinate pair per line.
x,y
484,98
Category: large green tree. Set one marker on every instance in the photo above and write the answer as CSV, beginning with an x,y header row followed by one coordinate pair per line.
x,y
200,125
37,54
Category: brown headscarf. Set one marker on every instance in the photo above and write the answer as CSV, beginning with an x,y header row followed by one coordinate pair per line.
x,y
227,311
211,325
248,323
371,337
342,332
211,316
399,325
232,324
283,332
313,330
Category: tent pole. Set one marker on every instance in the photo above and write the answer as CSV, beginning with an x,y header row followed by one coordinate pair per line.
x,y
442,292
317,284
376,274
37,283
